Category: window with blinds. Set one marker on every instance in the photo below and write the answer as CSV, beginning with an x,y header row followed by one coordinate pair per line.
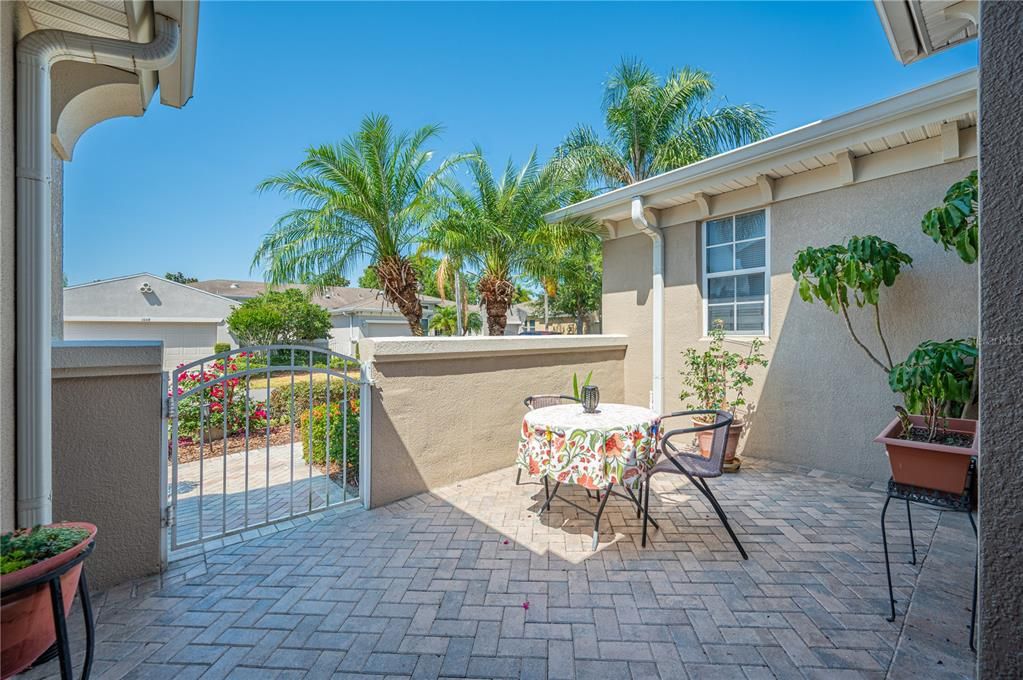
x,y
735,276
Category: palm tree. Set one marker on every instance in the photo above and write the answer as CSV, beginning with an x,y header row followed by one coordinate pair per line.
x,y
654,127
364,198
497,226
444,321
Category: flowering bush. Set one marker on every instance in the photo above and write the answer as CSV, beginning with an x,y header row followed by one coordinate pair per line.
x,y
717,378
316,428
222,400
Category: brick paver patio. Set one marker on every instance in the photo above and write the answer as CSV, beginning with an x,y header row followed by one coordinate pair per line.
x,y
293,487
437,586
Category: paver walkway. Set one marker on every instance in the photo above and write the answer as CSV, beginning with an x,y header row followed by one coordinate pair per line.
x,y
438,585
225,506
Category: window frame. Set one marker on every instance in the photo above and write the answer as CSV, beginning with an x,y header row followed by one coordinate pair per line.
x,y
765,270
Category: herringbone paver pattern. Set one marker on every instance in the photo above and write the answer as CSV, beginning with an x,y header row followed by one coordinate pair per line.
x,y
438,586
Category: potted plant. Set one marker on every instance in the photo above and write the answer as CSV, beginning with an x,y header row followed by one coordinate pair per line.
x,y
927,445
26,616
717,379
933,449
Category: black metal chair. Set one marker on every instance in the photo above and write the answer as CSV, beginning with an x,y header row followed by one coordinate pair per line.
x,y
536,401
696,467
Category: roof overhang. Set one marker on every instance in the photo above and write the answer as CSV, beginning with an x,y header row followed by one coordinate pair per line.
x,y
936,114
919,28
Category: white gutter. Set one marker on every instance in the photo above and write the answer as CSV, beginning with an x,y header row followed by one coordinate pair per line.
x,y
643,223
36,54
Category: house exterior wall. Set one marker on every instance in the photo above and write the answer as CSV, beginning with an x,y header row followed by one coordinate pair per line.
x,y
187,320
1001,332
107,435
821,401
455,411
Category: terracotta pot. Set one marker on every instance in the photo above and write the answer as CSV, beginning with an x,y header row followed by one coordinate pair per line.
x,y
734,432
928,464
27,617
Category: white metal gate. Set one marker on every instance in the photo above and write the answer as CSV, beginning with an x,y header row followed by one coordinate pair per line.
x,y
263,434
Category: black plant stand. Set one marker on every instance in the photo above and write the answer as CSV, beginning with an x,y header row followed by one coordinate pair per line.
x,y
62,648
940,499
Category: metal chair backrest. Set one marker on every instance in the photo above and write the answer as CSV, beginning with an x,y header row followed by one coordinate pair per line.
x,y
543,400
712,464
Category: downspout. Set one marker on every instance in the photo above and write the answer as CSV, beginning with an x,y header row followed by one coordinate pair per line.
x,y
36,54
640,220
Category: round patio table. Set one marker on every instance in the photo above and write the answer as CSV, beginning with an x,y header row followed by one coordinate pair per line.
x,y
614,446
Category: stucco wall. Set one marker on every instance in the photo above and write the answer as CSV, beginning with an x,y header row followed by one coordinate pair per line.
x,y
821,401
106,452
1001,300
445,416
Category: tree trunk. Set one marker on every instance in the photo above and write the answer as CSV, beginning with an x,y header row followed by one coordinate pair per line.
x,y
400,285
458,303
497,296
579,313
546,310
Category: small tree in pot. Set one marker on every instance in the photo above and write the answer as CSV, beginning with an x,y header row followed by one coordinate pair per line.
x,y
929,448
717,379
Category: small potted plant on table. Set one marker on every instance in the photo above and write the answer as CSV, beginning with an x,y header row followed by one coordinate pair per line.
x,y
26,614
717,379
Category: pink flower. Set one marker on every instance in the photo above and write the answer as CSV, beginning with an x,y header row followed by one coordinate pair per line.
x,y
525,605
506,541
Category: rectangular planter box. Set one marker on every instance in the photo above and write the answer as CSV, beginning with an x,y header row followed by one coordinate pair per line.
x,y
929,465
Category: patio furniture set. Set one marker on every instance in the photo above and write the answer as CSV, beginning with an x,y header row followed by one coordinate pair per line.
x,y
626,446
618,445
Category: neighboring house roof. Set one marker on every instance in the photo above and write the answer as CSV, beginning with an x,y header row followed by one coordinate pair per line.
x,y
917,29
145,297
100,282
853,143
335,299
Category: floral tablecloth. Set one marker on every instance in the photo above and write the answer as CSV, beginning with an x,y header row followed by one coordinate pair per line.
x,y
613,446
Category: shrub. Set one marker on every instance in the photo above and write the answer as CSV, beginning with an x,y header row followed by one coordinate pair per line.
x,y
717,378
221,347
315,426
20,549
937,380
279,317
280,397
221,398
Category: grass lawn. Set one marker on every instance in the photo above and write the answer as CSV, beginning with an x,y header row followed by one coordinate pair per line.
x,y
284,379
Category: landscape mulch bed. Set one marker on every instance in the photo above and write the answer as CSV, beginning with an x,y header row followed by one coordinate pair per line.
x,y
190,451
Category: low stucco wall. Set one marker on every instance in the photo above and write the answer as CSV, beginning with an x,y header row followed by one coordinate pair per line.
x,y
106,452
449,409
821,401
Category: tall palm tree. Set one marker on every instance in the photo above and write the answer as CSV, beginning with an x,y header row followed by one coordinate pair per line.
x,y
497,226
654,127
364,198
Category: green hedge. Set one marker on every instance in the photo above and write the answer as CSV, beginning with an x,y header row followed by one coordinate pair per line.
x,y
316,428
221,347
279,404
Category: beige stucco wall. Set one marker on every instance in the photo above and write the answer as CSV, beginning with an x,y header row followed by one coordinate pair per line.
x,y
821,401
106,452
445,417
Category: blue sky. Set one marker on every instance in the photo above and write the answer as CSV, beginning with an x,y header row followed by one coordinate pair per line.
x,y
274,78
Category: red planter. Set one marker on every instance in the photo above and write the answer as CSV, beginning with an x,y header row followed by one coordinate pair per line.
x,y
27,617
927,464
